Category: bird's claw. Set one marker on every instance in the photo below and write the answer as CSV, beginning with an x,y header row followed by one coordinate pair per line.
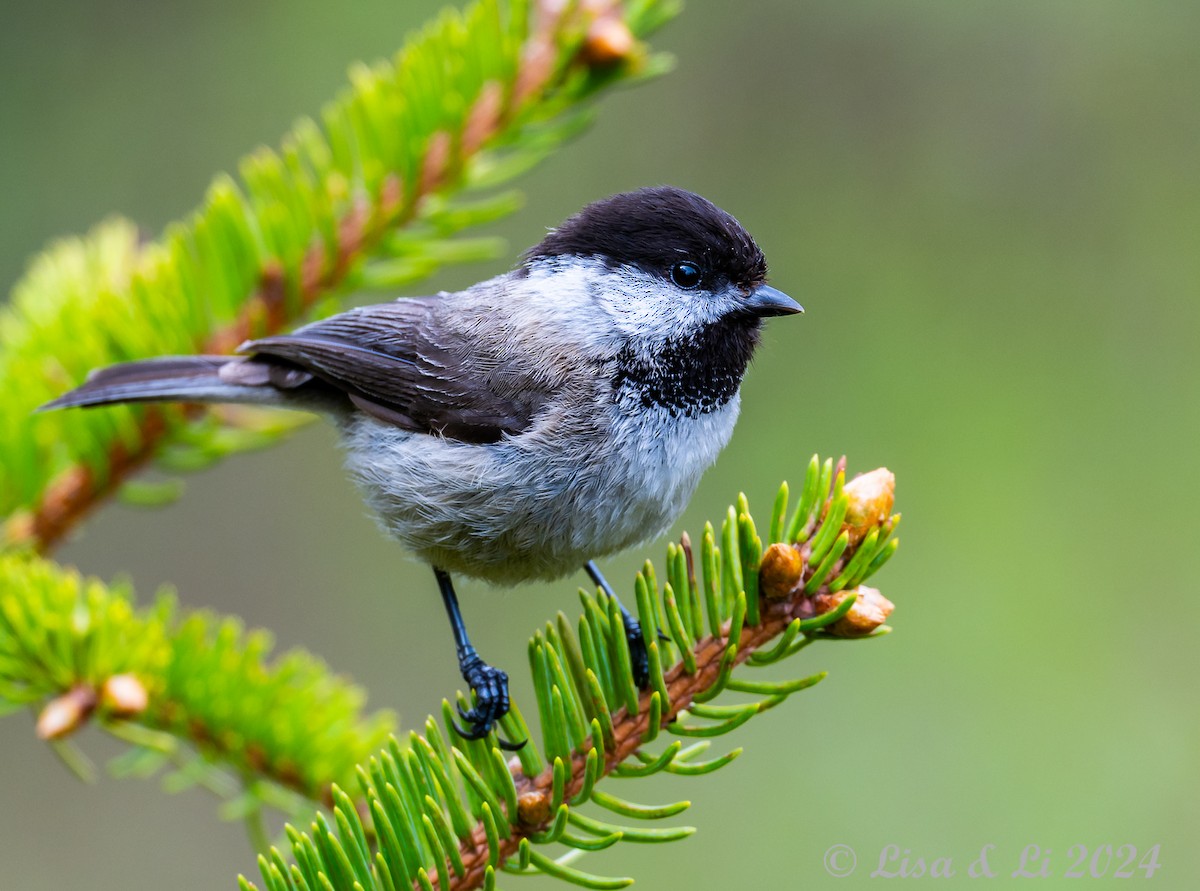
x,y
639,658
490,686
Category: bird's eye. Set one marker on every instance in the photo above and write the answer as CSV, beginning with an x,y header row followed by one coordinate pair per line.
x,y
686,275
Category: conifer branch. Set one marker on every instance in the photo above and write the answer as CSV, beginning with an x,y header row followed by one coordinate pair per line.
x,y
630,731
80,651
448,813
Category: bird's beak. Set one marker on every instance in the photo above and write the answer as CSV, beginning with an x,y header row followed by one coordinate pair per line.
x,y
767,301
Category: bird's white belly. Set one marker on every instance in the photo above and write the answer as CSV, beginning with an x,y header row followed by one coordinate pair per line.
x,y
534,506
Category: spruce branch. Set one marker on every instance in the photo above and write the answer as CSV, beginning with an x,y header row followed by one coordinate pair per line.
x,y
361,200
449,813
195,693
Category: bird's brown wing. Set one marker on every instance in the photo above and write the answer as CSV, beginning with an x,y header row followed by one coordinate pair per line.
x,y
402,363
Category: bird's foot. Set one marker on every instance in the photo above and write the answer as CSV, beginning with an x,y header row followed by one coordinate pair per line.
x,y
490,686
639,659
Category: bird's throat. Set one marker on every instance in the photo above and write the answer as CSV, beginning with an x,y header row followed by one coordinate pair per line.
x,y
688,376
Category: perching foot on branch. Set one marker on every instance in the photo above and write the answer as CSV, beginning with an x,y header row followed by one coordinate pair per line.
x,y
490,686
639,659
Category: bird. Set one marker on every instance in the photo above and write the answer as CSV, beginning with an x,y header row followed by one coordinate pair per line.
x,y
521,428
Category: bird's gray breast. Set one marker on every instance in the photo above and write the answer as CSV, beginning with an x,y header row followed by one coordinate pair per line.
x,y
579,484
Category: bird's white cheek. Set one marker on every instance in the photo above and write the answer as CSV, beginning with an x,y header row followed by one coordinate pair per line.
x,y
565,293
643,306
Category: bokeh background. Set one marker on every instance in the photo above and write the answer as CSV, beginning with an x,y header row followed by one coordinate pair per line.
x,y
991,211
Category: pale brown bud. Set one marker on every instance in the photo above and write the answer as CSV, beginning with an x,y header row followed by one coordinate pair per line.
x,y
870,610
533,808
124,696
63,716
780,571
869,501
608,41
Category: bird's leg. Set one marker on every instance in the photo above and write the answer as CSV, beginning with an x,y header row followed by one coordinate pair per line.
x,y
639,659
490,685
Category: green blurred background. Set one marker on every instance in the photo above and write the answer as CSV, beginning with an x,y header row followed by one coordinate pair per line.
x,y
990,211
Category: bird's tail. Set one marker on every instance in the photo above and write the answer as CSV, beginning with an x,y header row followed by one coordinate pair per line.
x,y
169,379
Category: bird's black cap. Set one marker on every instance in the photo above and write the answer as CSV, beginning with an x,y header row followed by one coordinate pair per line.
x,y
655,228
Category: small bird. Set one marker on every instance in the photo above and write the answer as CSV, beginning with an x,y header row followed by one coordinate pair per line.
x,y
522,427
